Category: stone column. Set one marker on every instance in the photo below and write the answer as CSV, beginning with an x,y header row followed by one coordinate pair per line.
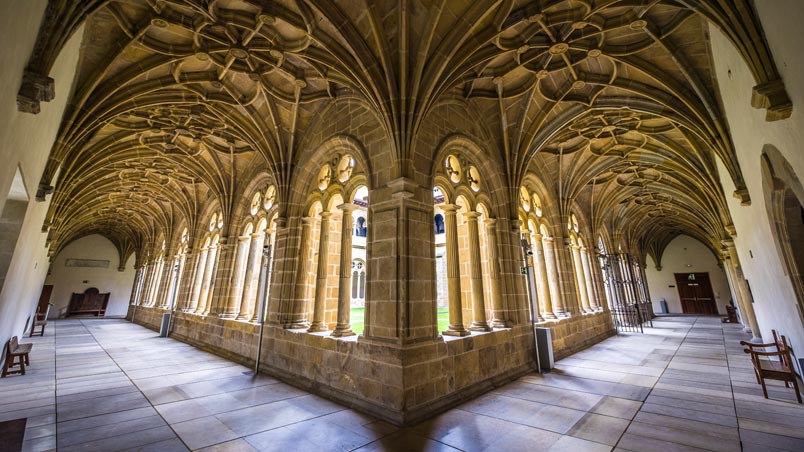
x,y
589,279
742,291
497,320
230,306
479,322
600,286
540,274
135,287
247,303
165,282
297,317
321,276
551,268
188,268
209,269
172,283
266,259
153,283
198,279
146,284
343,327
580,278
456,327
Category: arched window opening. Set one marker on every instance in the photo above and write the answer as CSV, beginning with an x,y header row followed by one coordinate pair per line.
x,y
442,293
337,233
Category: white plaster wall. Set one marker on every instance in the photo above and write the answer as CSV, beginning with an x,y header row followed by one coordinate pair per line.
x,y
774,299
685,255
26,140
69,280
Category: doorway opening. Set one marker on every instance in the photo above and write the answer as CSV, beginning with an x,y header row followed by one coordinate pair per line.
x,y
695,292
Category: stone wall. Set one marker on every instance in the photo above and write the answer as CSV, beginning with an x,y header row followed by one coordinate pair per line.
x,y
401,384
573,334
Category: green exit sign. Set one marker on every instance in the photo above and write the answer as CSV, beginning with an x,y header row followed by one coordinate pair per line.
x,y
523,270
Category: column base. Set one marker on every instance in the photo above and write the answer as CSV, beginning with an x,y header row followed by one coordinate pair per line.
x,y
243,317
343,331
549,316
299,324
479,326
225,315
497,323
456,331
317,327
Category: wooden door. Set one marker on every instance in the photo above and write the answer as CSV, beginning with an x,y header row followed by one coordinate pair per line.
x,y
695,291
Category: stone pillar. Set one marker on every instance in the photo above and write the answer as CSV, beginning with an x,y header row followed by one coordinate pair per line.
x,y
266,259
551,268
479,322
742,291
164,283
321,276
189,267
197,281
248,298
154,283
297,317
600,286
222,275
146,284
580,278
209,269
400,250
135,288
497,320
230,307
540,275
343,327
456,327
589,279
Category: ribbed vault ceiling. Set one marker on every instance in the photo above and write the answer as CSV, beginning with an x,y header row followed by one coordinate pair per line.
x,y
612,103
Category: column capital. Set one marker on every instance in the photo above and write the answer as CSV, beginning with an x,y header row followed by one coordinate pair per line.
x,y
244,238
490,222
348,207
325,214
308,221
449,208
472,214
255,235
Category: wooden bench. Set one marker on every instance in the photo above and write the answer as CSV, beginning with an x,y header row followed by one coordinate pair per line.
x,y
16,352
41,321
781,370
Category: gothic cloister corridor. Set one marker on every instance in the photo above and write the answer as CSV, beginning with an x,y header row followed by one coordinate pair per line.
x,y
684,385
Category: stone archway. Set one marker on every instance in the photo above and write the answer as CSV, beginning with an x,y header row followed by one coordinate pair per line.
x,y
784,201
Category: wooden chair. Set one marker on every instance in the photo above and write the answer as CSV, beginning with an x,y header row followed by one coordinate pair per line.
x,y
781,370
16,352
41,321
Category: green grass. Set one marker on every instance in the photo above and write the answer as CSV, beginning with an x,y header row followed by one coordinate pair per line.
x,y
357,317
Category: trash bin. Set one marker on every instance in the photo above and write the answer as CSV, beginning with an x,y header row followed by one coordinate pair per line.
x,y
163,329
544,341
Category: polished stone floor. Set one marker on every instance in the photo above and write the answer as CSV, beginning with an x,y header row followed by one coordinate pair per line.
x,y
684,385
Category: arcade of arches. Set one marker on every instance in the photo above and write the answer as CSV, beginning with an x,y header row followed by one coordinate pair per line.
x,y
398,191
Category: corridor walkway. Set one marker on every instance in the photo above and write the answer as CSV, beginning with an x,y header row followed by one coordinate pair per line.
x,y
108,385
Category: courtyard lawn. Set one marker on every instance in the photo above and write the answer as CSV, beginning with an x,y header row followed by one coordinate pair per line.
x,y
358,315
